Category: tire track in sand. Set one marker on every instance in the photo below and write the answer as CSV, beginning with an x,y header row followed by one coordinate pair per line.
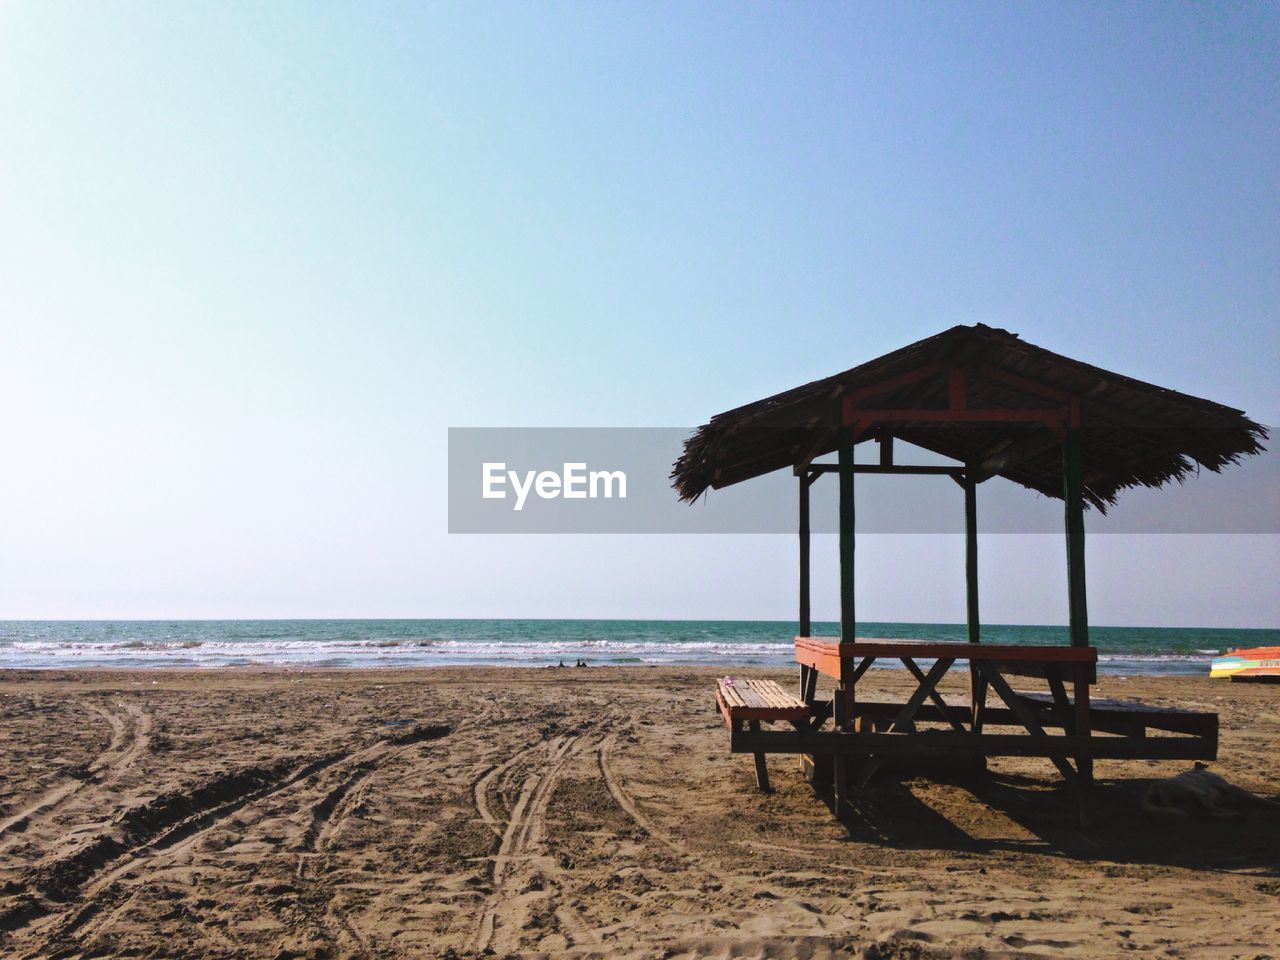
x,y
128,742
328,815
604,757
522,840
332,810
481,789
95,873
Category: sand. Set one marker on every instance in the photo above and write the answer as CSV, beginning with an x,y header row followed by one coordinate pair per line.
x,y
592,812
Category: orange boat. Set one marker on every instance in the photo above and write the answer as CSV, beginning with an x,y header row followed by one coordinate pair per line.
x,y
1258,663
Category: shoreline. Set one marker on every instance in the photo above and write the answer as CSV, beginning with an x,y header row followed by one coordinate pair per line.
x,y
397,644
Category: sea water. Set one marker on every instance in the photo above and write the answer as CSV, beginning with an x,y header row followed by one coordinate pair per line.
x,y
42,644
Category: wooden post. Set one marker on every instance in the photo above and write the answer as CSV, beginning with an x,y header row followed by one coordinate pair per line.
x,y
1073,494
977,682
843,694
886,451
847,628
1083,730
1078,611
762,771
971,555
806,624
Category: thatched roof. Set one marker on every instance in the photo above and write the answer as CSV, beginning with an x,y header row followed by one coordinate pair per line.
x,y
1133,433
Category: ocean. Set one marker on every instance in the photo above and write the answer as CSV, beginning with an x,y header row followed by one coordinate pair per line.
x,y
45,644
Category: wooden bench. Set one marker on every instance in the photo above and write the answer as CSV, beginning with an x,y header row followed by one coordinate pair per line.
x,y
1130,718
752,702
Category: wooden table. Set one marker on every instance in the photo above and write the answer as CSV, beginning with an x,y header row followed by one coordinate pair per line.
x,y
866,731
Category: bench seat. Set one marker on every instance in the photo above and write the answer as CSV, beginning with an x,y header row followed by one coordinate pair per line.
x,y
748,703
759,700
1125,717
1132,718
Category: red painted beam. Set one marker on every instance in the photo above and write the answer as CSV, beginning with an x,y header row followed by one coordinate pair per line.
x,y
893,383
862,418
1001,375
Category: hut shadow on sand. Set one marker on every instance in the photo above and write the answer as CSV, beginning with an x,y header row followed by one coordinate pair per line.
x,y
995,811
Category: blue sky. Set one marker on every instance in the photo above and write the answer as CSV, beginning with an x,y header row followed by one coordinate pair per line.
x,y
255,259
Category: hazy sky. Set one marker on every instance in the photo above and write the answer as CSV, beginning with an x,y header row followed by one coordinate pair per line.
x,y
255,259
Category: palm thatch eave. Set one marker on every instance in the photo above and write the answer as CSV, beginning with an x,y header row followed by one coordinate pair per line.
x,y
1134,433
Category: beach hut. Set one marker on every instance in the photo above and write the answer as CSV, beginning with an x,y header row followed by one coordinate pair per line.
x,y
993,405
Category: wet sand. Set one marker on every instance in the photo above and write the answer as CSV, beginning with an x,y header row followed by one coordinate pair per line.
x,y
592,812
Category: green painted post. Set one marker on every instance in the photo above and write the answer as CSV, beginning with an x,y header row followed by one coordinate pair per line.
x,y
1073,494
847,631
842,698
971,555
806,624
977,682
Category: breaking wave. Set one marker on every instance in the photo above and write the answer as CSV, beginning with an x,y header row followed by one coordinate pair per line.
x,y
377,643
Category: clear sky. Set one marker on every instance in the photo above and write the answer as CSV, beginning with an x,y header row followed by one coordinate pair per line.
x,y
255,259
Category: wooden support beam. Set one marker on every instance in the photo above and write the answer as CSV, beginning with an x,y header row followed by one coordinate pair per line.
x,y
1024,714
978,709
926,687
943,708
906,716
1073,494
820,710
1061,705
905,469
861,669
